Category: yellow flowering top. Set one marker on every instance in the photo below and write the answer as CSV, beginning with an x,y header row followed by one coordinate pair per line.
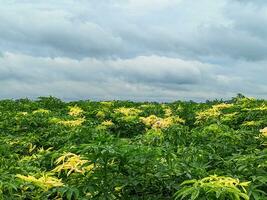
x,y
128,111
146,106
213,112
168,112
252,123
149,121
207,114
45,182
260,108
71,162
71,123
100,114
220,182
229,116
107,123
222,106
158,123
44,111
264,132
106,103
75,111
23,113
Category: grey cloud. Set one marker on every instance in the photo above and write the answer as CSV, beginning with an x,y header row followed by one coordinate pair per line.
x,y
54,33
133,49
116,29
139,78
254,2
149,69
251,18
235,44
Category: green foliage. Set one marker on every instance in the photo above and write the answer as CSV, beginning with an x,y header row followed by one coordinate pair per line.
x,y
53,150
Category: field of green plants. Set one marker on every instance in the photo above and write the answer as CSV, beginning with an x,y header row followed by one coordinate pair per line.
x,y
50,149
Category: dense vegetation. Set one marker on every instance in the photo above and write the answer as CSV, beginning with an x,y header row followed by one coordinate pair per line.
x,y
50,149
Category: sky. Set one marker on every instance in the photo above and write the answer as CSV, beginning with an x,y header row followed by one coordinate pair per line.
x,y
141,50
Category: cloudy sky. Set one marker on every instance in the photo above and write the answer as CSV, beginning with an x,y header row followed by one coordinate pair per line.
x,y
160,50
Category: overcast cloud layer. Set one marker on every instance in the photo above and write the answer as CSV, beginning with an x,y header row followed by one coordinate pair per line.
x,y
160,50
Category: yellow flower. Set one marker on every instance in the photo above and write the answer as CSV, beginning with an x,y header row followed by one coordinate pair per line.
x,y
22,113
222,181
107,103
118,188
212,113
72,163
163,123
100,114
75,111
42,150
178,120
207,114
107,123
229,117
89,167
129,119
31,147
146,106
43,111
264,132
222,106
45,182
76,122
252,123
168,112
263,107
218,183
158,123
128,111
149,121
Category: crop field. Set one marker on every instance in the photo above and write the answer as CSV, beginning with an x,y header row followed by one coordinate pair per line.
x,y
51,149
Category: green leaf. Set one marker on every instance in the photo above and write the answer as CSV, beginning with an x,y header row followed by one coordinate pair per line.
x,y
195,194
244,196
188,182
183,192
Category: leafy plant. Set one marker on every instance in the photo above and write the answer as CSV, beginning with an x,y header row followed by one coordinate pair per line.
x,y
213,187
